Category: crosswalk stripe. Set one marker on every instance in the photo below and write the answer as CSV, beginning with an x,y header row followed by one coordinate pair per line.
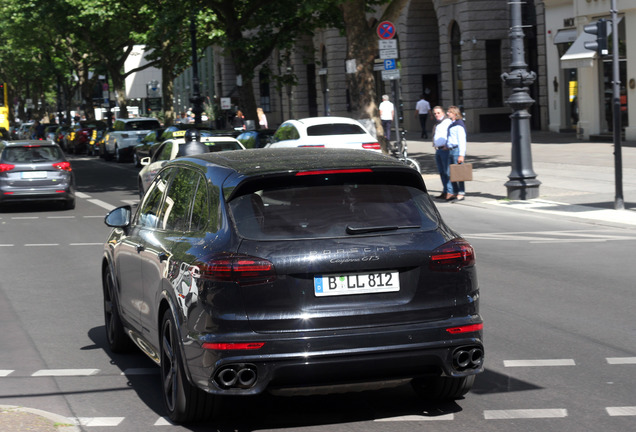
x,y
6,372
535,363
99,421
417,418
65,372
525,414
621,411
621,360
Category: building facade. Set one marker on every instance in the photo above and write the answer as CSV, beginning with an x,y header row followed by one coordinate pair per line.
x,y
581,91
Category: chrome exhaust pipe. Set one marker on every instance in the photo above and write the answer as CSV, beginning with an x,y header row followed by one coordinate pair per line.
x,y
246,377
227,377
476,357
461,359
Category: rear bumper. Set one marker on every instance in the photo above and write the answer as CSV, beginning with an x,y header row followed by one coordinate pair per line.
x,y
59,193
335,359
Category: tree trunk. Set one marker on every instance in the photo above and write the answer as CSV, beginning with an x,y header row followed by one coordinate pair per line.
x,y
362,46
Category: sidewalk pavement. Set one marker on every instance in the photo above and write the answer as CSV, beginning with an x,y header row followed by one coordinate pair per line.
x,y
577,177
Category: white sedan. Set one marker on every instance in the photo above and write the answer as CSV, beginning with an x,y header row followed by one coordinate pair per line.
x,y
169,150
329,132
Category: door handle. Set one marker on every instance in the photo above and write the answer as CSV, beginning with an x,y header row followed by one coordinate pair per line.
x,y
163,256
139,248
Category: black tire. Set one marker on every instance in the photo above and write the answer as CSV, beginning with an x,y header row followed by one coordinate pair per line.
x,y
70,204
443,388
184,402
118,157
118,340
136,160
141,189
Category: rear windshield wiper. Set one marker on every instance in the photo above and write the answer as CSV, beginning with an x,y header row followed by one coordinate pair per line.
x,y
370,229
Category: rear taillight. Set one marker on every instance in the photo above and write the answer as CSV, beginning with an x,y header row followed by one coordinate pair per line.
x,y
234,346
64,166
6,167
452,256
241,269
371,146
466,329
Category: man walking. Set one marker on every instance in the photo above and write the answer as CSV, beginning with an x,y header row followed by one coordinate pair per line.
x,y
422,110
387,112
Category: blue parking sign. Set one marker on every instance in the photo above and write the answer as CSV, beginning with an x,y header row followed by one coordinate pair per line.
x,y
389,64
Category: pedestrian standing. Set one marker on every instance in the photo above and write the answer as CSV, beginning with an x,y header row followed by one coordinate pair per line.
x,y
262,118
457,144
442,153
387,112
422,111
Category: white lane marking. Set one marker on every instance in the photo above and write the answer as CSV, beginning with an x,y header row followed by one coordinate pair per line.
x,y
98,421
417,418
82,195
621,411
65,372
42,244
6,245
6,372
25,217
525,414
140,371
553,236
539,363
101,204
130,202
89,217
621,360
60,217
163,421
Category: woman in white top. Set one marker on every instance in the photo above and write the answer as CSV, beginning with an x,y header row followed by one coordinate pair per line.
x,y
456,144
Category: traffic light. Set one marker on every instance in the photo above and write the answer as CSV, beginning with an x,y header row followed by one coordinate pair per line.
x,y
599,28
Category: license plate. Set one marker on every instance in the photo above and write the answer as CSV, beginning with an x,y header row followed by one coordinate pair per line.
x,y
356,283
33,174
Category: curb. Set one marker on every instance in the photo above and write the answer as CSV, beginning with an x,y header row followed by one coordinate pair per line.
x,y
35,420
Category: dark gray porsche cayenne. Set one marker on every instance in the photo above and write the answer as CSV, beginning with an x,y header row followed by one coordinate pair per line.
x,y
291,270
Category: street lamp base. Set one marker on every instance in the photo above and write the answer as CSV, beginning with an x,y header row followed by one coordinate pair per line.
x,y
523,189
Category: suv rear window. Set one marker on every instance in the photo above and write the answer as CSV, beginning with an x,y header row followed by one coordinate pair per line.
x,y
142,125
32,154
332,211
335,129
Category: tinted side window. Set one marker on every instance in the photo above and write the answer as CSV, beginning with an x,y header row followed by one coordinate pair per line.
x,y
201,209
334,129
286,131
179,199
165,152
148,214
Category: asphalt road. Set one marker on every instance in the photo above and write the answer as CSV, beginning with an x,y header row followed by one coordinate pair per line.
x,y
557,298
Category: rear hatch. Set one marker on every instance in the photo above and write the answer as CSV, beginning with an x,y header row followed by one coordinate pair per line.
x,y
36,167
348,255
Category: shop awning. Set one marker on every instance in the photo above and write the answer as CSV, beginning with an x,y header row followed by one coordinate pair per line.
x,y
565,36
577,56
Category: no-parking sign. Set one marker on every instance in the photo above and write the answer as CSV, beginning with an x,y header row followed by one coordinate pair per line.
x,y
386,30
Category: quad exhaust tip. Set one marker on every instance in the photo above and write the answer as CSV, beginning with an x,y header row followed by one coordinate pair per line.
x,y
238,376
465,358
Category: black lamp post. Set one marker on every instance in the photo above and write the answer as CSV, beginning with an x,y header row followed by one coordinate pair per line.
x,y
523,183
196,99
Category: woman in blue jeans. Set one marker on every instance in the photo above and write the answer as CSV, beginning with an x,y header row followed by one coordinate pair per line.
x,y
456,143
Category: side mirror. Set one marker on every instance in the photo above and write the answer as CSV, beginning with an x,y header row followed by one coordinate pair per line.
x,y
119,217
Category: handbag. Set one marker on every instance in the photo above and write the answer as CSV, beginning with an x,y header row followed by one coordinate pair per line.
x,y
461,172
